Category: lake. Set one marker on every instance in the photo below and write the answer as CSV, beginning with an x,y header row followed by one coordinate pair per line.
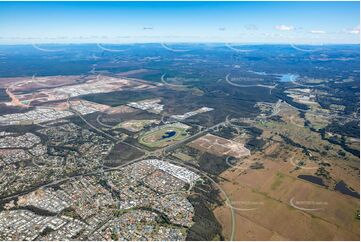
x,y
288,77
168,134
342,187
313,179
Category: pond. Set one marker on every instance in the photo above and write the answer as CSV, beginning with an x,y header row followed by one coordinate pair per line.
x,y
168,134
313,179
342,187
288,77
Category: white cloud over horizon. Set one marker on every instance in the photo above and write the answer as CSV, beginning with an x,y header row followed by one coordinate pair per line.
x,y
355,30
283,27
318,32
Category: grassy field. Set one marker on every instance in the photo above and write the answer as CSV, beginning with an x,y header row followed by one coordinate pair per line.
x,y
182,156
263,207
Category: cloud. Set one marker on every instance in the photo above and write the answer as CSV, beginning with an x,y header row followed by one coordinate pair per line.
x,y
318,32
355,30
251,27
283,27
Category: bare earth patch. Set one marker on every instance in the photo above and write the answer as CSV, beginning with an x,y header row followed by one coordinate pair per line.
x,y
219,146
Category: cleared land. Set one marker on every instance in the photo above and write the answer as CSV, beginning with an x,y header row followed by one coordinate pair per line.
x,y
120,109
219,146
136,125
30,92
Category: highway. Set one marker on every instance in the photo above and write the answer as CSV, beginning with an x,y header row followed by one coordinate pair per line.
x,y
101,123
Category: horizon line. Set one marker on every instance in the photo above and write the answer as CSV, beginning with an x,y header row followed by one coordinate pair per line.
x,y
180,43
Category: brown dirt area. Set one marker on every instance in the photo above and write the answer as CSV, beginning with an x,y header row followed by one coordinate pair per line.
x,y
219,146
56,88
270,191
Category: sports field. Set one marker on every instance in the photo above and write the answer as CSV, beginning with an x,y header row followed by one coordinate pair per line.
x,y
164,135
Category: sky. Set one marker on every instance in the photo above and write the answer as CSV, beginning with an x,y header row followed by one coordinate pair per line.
x,y
167,22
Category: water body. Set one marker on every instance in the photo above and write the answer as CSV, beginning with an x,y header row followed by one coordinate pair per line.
x,y
342,187
313,179
168,134
288,77
281,77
